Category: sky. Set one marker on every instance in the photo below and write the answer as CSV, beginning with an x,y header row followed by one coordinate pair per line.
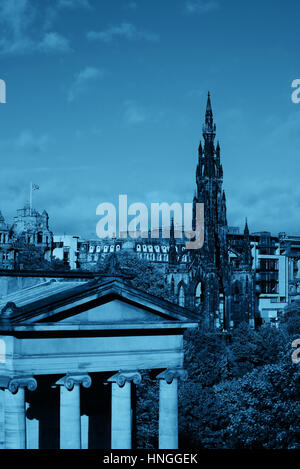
x,y
107,97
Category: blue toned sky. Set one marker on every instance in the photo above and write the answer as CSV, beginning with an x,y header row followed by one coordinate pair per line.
x,y
108,96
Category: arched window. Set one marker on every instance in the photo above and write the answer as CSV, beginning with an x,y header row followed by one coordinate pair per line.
x,y
181,296
221,307
117,247
236,292
138,248
198,294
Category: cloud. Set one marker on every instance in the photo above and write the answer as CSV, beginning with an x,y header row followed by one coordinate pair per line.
x,y
134,114
73,4
124,30
23,25
201,6
54,42
268,205
131,6
82,80
26,140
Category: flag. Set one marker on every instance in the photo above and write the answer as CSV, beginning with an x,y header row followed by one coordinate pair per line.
x,y
35,187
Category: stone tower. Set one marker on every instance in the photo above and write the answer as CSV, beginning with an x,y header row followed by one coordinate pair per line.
x,y
211,262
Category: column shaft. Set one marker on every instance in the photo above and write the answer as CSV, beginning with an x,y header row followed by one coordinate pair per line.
x,y
15,430
121,416
168,414
70,431
2,422
32,431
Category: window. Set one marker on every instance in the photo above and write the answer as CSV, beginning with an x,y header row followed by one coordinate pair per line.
x,y
198,294
117,247
236,292
98,248
66,255
138,248
221,307
181,296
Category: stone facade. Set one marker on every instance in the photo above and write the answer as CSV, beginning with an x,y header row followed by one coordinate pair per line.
x,y
72,356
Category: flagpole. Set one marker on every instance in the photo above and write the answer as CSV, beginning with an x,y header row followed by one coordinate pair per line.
x,y
30,199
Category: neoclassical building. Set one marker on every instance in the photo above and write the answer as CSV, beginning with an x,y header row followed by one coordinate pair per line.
x,y
71,357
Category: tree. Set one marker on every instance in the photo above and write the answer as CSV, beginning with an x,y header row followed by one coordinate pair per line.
x,y
32,257
262,408
251,348
141,274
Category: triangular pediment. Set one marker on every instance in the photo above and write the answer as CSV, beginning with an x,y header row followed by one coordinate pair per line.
x,y
109,302
115,311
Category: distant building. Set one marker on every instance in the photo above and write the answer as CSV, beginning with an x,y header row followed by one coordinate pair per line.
x,y
30,228
65,248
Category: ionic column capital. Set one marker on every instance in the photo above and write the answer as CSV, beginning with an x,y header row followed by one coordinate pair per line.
x,y
13,384
69,381
123,377
170,373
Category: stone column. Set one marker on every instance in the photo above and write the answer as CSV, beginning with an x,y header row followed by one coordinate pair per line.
x,y
70,421
32,428
15,420
121,411
168,407
2,426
